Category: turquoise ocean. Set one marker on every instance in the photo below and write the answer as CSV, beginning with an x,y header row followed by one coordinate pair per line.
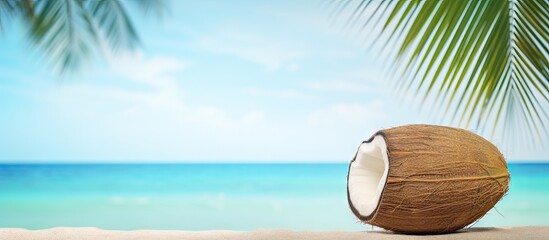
x,y
216,196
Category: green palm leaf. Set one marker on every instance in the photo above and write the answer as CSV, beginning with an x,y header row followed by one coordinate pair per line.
x,y
69,30
484,63
64,30
7,9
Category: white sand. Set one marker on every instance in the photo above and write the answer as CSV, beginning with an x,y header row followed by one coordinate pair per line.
x,y
65,233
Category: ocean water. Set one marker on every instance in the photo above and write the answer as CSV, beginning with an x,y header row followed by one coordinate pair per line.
x,y
216,196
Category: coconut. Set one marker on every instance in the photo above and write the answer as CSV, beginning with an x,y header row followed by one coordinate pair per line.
x,y
424,179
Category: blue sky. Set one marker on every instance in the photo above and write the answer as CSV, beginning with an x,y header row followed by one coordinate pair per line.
x,y
246,81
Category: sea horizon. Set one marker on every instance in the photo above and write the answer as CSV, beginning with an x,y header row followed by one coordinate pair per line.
x,y
207,196
148,162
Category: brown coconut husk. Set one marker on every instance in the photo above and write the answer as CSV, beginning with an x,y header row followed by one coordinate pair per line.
x,y
440,179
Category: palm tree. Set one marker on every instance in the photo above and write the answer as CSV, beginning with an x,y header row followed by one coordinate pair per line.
x,y
68,31
486,61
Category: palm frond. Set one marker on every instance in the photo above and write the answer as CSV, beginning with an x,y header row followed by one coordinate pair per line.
x,y
484,64
62,29
112,18
8,9
152,7
70,30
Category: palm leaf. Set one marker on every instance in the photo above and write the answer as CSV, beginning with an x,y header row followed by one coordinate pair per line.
x,y
112,18
152,7
70,30
8,9
483,64
62,29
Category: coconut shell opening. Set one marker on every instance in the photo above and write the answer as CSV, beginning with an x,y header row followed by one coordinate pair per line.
x,y
367,176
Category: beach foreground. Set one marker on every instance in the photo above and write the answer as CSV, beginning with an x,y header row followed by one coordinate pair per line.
x,y
61,233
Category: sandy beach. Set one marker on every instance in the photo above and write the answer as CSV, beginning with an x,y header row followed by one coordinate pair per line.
x,y
62,233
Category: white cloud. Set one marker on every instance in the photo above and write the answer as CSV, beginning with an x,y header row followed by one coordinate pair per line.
x,y
156,71
278,93
208,117
345,86
253,117
271,53
147,93
293,67
160,104
348,114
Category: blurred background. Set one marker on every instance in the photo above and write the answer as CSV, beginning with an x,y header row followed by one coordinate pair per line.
x,y
237,115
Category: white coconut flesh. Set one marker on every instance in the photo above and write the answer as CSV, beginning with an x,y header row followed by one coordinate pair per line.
x,y
367,176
